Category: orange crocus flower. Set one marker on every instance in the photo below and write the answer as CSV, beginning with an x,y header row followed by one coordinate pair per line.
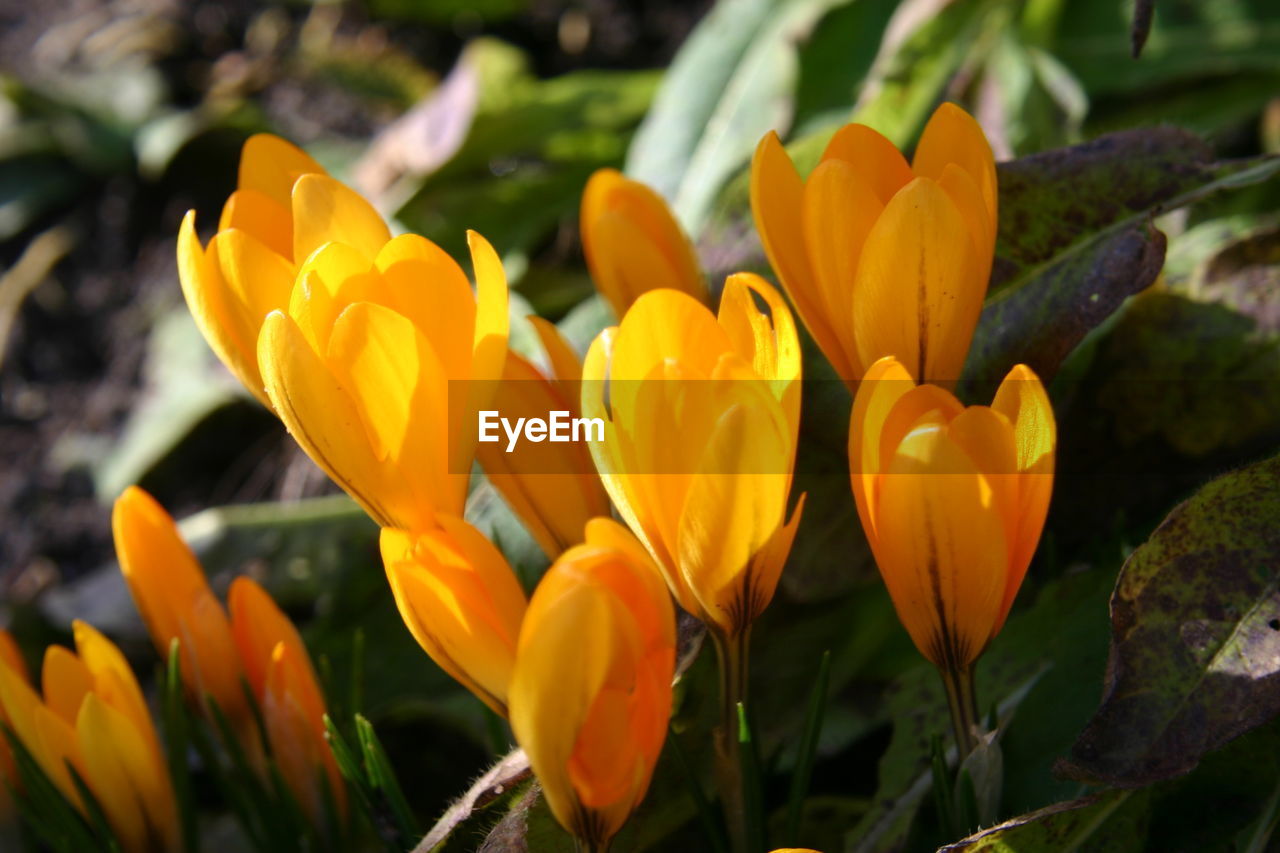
x,y
881,257
591,693
633,244
953,500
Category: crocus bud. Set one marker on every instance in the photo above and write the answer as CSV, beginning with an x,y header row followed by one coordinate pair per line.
x,y
359,366
461,601
952,499
701,470
591,694
169,588
881,257
633,244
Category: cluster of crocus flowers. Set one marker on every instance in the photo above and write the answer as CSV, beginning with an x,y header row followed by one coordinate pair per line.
x,y
882,257
591,693
633,244
551,486
953,500
93,722
219,656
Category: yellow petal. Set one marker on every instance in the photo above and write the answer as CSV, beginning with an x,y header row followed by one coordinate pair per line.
x,y
258,281
872,156
566,366
777,204
941,547
1021,398
49,738
132,789
461,601
271,166
401,393
323,418
957,183
840,208
211,304
728,517
429,288
256,213
335,276
917,297
326,211
952,136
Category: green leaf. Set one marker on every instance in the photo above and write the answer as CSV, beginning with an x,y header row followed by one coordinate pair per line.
x,y
731,82
1075,238
1195,636
383,778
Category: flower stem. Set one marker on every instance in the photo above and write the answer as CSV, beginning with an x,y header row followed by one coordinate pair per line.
x,y
964,708
581,846
731,655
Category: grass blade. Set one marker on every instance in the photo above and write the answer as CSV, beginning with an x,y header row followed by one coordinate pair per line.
x,y
808,749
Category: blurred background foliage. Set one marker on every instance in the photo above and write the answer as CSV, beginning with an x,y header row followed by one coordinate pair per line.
x,y
116,116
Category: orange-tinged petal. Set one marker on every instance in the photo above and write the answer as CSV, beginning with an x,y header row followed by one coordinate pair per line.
x,y
65,682
871,155
953,136
327,211
920,403
321,415
460,600
49,738
884,384
840,208
1021,398
211,304
429,288
941,547
169,588
271,166
11,654
917,297
293,711
564,363
259,625
256,213
777,202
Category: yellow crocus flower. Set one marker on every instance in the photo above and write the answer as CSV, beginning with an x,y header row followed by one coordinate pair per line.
x,y
881,257
591,693
552,486
94,720
460,600
701,470
633,244
360,367
953,500
171,592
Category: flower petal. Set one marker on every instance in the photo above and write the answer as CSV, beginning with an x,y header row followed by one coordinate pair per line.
x,y
953,136
326,211
871,155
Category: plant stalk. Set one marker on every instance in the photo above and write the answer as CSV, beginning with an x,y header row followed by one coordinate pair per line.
x,y
731,656
963,700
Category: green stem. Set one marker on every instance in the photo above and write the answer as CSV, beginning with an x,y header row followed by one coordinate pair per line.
x,y
581,846
731,655
964,708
